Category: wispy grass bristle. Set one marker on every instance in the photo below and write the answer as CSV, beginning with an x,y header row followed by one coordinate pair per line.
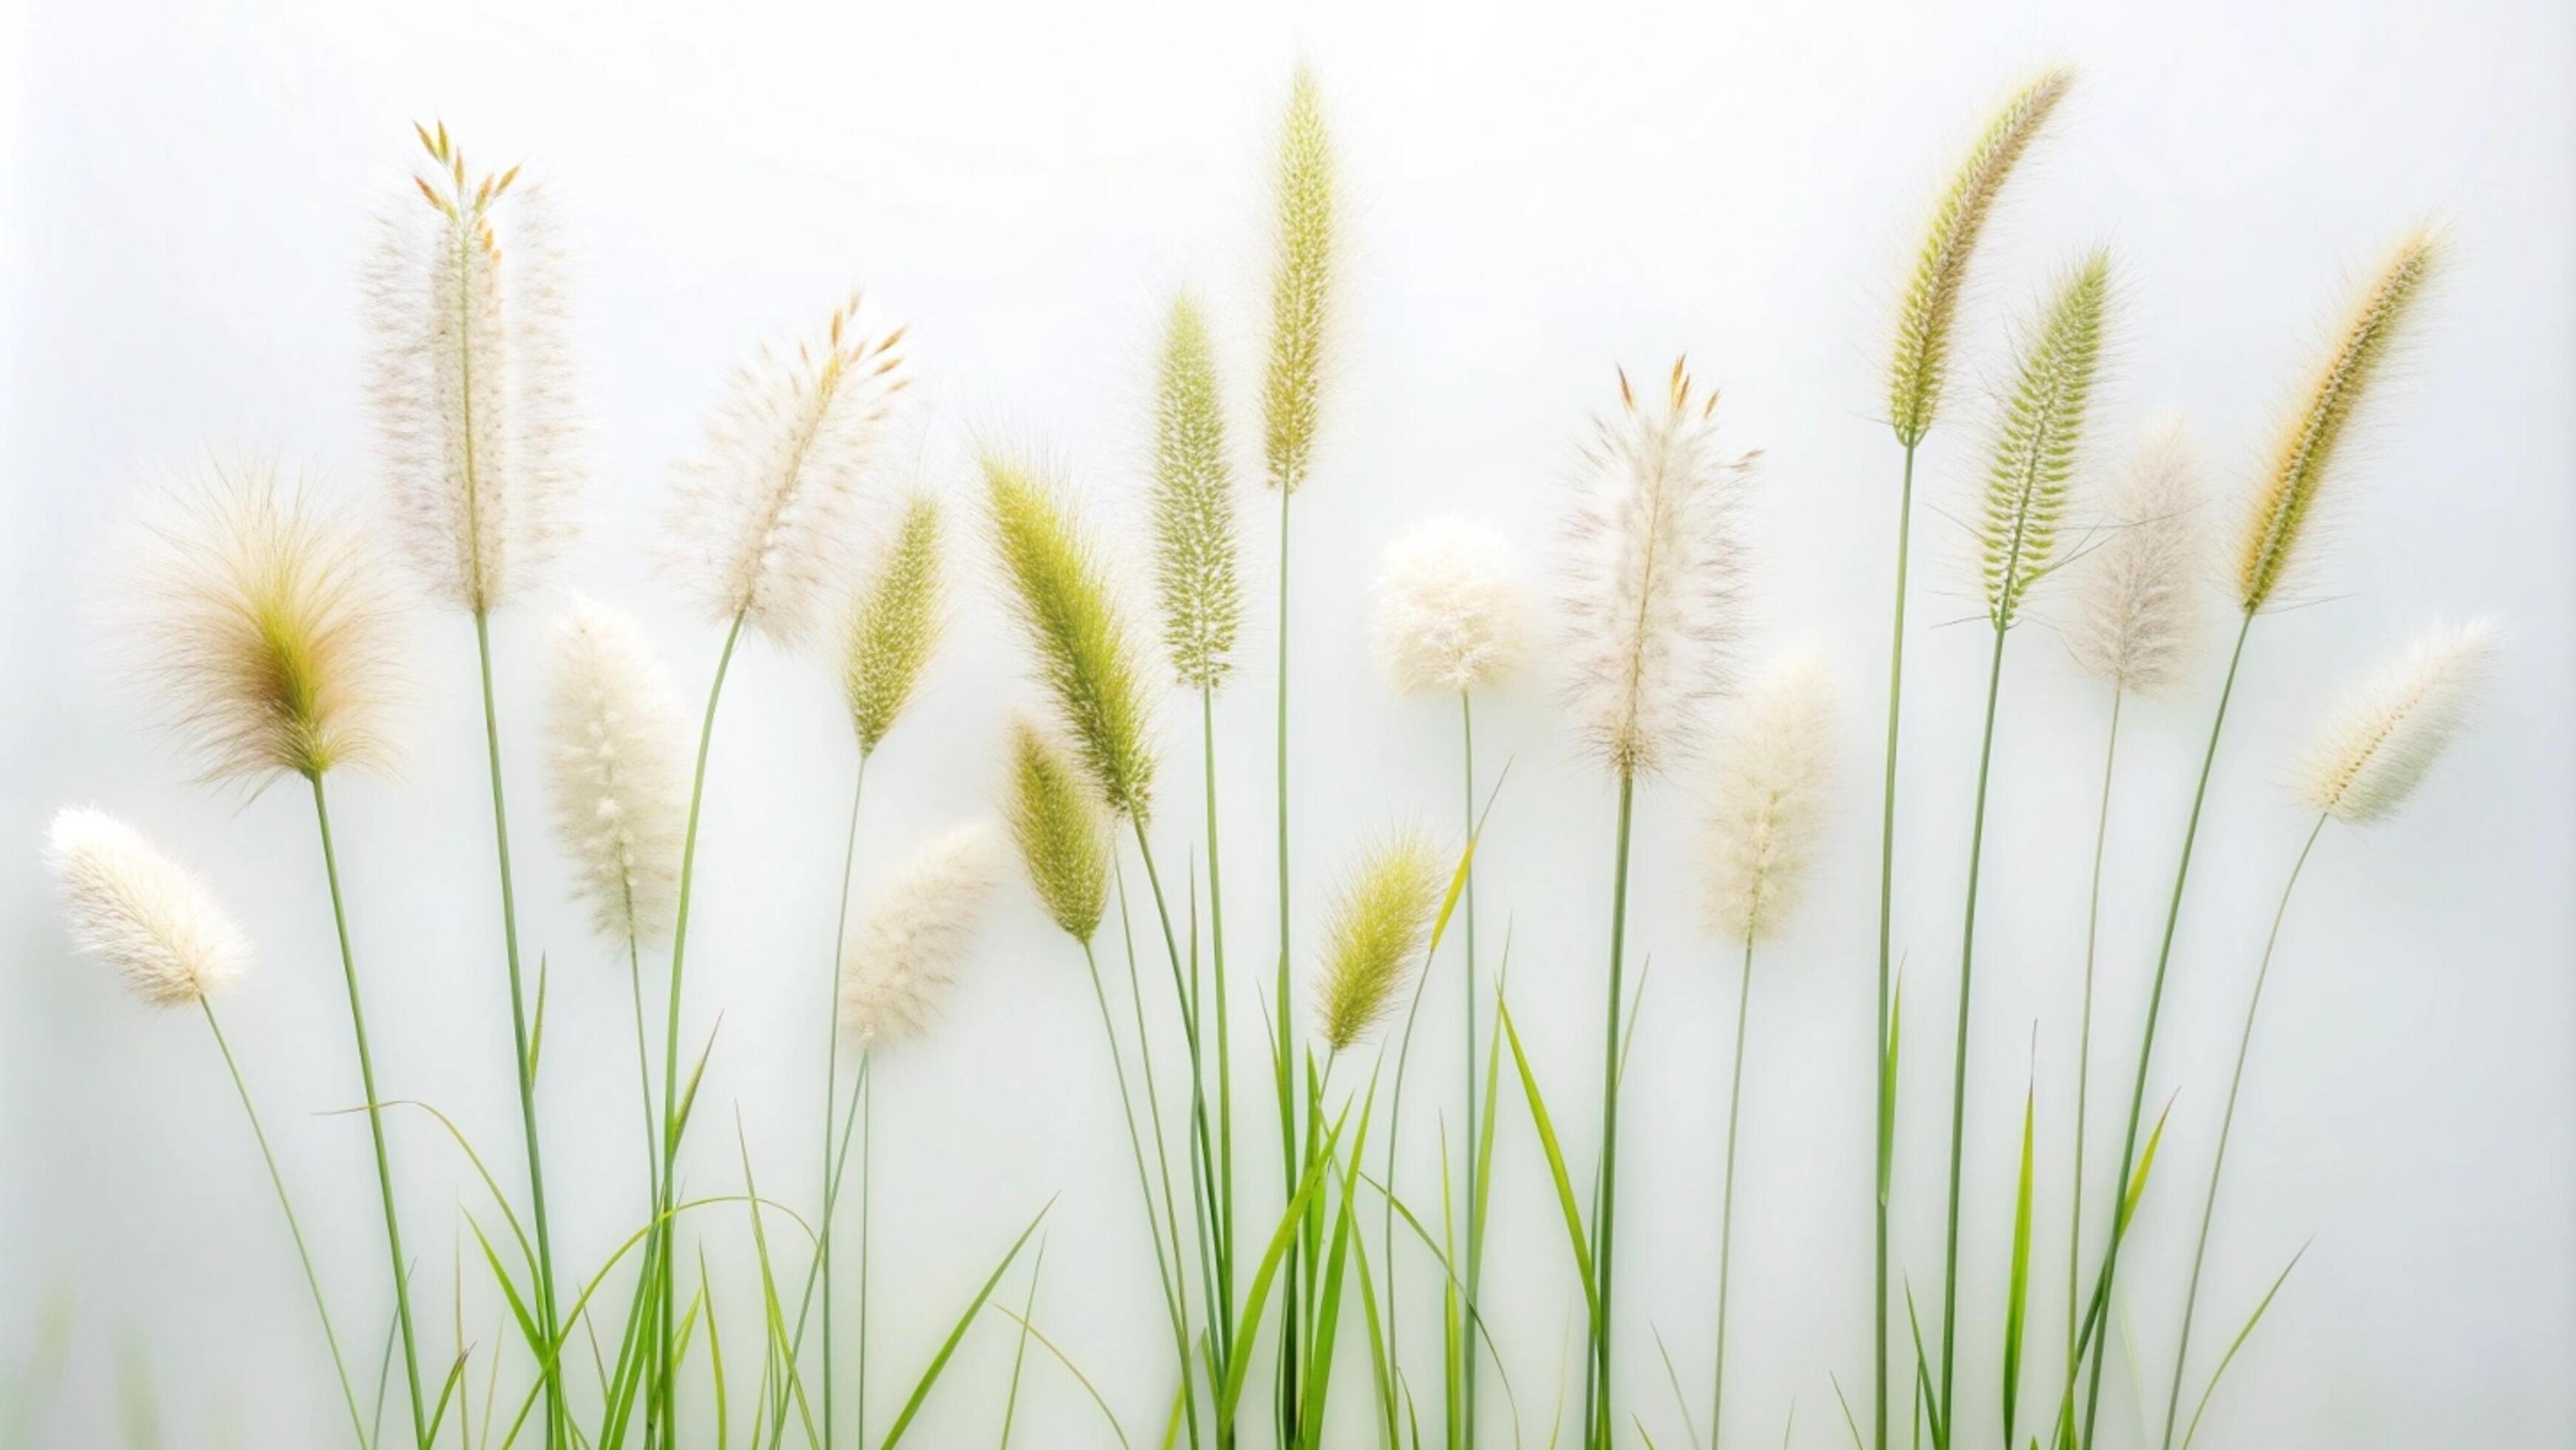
x,y
149,917
471,378
1921,363
617,756
1062,831
2384,738
1300,288
1077,634
2136,615
2286,502
904,950
2037,441
894,625
1194,529
1381,918
1451,615
1773,770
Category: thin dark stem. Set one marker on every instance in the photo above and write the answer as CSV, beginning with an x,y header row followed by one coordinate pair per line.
x,y
2084,1039
1726,1198
1886,909
2226,1125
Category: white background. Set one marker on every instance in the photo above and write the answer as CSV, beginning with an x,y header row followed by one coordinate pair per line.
x,y
1532,198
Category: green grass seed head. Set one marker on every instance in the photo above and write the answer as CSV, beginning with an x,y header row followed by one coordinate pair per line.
x,y
2038,439
894,625
1194,530
1062,831
1300,288
1380,922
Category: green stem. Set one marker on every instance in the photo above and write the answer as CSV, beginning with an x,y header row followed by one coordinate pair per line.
x,y
2084,1039
1474,1225
832,1079
1726,1198
1959,1063
294,1229
1606,1216
375,1115
2226,1125
2100,1313
1203,1163
1174,1306
1224,1033
867,1192
1886,911
1283,1058
652,1129
1162,1154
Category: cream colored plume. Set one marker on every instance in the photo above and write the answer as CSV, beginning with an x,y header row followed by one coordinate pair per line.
x,y
142,913
1767,800
471,378
2135,607
1451,616
2386,735
617,751
905,949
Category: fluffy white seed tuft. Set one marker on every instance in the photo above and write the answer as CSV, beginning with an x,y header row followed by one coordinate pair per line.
x,y
616,752
1767,800
1450,612
142,913
2379,744
2136,614
904,951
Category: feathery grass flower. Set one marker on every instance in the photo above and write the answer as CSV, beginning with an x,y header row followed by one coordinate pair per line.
x,y
1381,918
2135,614
2286,501
1076,633
1194,539
269,625
471,379
1652,603
894,624
1450,612
1767,800
905,949
152,919
616,747
1300,288
2037,438
1061,830
2386,735
760,518
1921,364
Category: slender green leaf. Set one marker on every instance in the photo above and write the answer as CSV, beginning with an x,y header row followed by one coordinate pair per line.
x,y
1555,1159
948,1348
2146,1162
2239,1343
1291,1219
1050,1346
2016,1308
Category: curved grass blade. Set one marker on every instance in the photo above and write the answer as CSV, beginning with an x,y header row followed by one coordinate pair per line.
x,y
1674,1377
1555,1159
2146,1162
1019,1359
1030,1329
939,1361
2239,1343
1290,1220
1318,1388
2017,1308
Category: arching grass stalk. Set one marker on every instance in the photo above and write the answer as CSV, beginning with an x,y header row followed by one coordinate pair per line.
x,y
2084,1033
832,1087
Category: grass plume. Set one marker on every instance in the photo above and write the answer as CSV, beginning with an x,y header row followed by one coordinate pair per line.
x,y
1062,832
1381,918
1451,616
894,624
2037,438
152,919
1194,530
2383,738
616,746
913,934
2135,618
1300,288
1766,801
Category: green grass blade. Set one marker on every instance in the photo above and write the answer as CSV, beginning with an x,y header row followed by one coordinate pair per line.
x,y
1849,1419
2016,1308
1923,1377
1555,1159
793,1383
1011,1404
446,1396
1673,1377
2146,1162
715,1348
1290,1221
1318,1387
948,1348
2239,1343
1029,1328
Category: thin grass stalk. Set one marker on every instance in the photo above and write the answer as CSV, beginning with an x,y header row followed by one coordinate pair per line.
x,y
375,1116
2226,1125
1886,917
1283,1059
1188,1405
2084,1037
1599,1417
1175,1306
867,1097
1475,1227
832,1078
294,1229
1203,1158
1726,1200
1224,1027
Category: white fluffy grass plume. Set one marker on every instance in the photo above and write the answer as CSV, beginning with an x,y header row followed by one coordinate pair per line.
x,y
471,378
1652,602
265,626
616,745
760,519
1767,799
1450,612
141,912
905,949
2135,614
2378,746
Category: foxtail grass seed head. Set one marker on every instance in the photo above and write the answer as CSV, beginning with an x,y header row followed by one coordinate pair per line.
x,y
1767,800
760,519
1194,537
1451,614
1652,603
2384,738
905,949
2037,441
2135,612
1921,364
894,624
1301,283
616,753
141,912
268,629
2285,504
1077,634
1381,920
471,378
1062,831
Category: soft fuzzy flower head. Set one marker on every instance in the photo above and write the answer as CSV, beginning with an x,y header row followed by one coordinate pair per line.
x,y
1451,614
471,378
760,520
616,754
905,949
2135,614
267,628
2285,503
1194,535
1301,282
2379,744
894,624
1767,800
1062,831
1077,634
1381,920
2037,441
1921,361
142,913
1652,605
